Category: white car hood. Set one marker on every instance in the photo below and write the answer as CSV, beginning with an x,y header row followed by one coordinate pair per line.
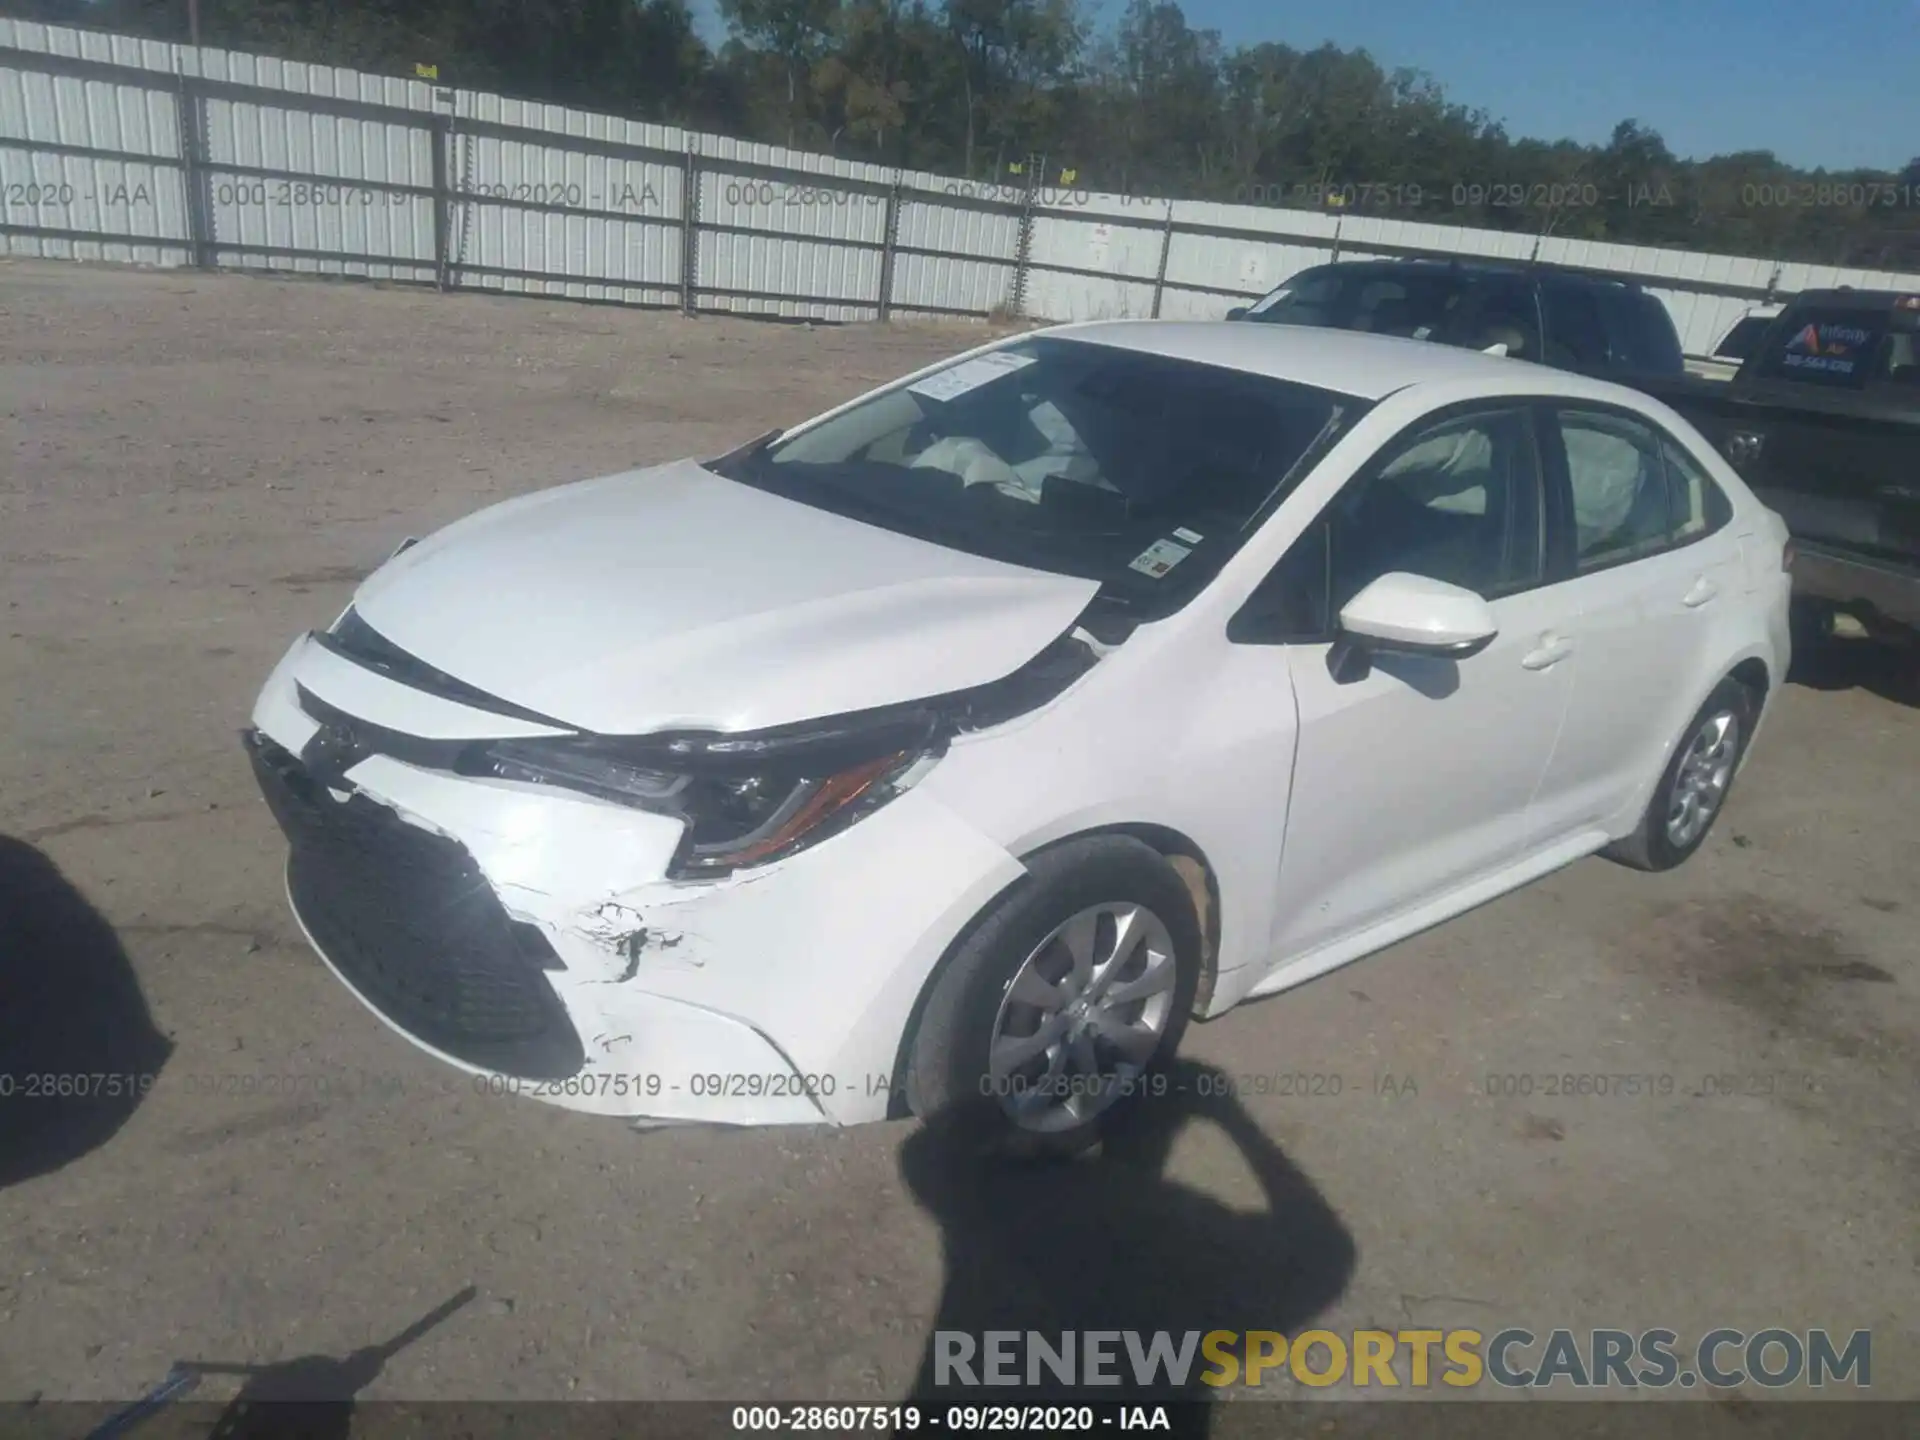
x,y
673,598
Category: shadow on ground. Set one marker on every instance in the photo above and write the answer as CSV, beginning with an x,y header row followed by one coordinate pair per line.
x,y
78,1049
1107,1241
1889,671
310,1397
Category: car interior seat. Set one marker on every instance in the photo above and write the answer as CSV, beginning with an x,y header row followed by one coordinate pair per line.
x,y
1392,317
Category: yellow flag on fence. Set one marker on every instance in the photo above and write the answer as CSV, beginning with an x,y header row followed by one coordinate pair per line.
x,y
1016,167
1067,177
427,72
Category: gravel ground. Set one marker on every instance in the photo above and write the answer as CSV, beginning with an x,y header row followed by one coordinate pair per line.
x,y
195,468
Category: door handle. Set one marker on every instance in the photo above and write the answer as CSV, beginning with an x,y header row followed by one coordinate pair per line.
x,y
1551,652
1703,590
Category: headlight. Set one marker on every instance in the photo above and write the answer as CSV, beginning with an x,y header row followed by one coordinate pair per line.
x,y
744,801
736,822
747,799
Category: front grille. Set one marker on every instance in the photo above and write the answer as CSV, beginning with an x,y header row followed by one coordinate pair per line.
x,y
406,916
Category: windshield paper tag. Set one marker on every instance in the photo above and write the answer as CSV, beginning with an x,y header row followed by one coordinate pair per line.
x,y
1158,558
969,375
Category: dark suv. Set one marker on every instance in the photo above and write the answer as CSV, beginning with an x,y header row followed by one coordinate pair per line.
x,y
1571,319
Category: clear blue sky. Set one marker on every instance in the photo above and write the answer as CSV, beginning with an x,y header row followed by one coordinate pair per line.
x,y
1818,82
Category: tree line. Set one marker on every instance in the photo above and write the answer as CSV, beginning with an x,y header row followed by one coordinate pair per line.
x,y
1028,91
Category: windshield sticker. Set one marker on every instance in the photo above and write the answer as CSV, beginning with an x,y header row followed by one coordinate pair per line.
x,y
969,375
1192,537
1158,558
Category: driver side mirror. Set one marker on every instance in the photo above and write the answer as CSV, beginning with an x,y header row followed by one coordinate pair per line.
x,y
1402,614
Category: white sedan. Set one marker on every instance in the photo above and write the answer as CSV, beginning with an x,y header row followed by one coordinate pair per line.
x,y
968,739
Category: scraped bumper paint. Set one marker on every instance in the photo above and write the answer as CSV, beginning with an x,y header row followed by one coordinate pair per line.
x,y
724,1001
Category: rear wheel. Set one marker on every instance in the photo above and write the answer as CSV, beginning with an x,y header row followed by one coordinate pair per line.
x,y
1810,626
1693,789
1074,987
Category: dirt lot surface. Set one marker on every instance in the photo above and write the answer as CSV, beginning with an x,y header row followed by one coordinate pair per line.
x,y
195,468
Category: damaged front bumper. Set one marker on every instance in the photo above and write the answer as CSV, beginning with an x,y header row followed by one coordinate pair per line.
x,y
529,935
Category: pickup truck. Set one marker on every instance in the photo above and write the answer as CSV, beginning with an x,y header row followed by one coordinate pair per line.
x,y
1822,420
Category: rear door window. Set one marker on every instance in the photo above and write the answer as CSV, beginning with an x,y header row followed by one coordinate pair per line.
x,y
1502,312
1838,348
1619,486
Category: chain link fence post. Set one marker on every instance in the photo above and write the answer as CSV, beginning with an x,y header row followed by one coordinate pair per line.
x,y
690,231
1023,253
889,245
191,110
1166,246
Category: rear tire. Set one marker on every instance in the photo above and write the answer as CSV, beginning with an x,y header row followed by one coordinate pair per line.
x,y
1693,788
1043,988
1810,627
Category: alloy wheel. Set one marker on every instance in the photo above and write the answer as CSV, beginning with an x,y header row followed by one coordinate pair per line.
x,y
1700,784
1083,1017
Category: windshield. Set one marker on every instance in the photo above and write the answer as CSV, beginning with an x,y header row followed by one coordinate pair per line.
x,y
1445,306
1415,304
1141,472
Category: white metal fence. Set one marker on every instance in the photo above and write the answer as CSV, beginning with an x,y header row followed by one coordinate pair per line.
x,y
120,149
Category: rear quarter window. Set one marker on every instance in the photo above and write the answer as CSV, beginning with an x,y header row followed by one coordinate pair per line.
x,y
1699,506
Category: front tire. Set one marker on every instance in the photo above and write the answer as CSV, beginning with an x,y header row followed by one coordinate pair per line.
x,y
1693,789
1073,989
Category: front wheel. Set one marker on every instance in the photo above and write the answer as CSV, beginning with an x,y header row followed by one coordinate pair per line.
x,y
1693,789
1076,984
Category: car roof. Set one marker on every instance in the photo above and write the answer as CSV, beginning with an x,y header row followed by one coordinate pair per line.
x,y
1535,269
1349,362
1874,300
